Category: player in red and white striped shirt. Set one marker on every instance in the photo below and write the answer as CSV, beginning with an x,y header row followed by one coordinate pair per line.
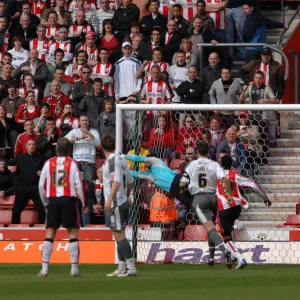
x,y
189,10
41,43
60,185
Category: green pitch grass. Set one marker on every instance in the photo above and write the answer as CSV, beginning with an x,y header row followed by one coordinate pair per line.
x,y
154,282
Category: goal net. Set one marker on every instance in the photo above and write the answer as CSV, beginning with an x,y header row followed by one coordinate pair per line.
x,y
262,141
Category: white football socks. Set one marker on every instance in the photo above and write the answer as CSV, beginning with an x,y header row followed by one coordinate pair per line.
x,y
46,254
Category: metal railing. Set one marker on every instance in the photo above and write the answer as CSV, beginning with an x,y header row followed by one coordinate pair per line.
x,y
287,66
279,41
296,83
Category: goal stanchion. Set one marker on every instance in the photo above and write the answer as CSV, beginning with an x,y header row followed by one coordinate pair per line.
x,y
264,235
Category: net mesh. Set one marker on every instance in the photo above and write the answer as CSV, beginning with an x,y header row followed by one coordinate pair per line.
x,y
164,229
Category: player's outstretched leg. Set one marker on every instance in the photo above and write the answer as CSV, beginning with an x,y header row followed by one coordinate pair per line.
x,y
74,256
231,246
46,255
212,248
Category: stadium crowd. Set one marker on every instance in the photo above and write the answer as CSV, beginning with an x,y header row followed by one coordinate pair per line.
x,y
66,64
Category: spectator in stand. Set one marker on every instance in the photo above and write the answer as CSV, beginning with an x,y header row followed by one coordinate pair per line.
x,y
92,105
6,14
171,41
105,71
182,23
59,63
106,122
191,90
65,87
216,131
85,140
189,133
154,19
6,80
67,121
46,142
186,46
8,180
188,8
236,149
52,25
40,122
178,74
209,74
101,14
26,32
161,141
28,110
56,100
12,102
147,48
4,34
28,86
84,5
89,46
145,68
123,17
82,88
108,39
41,43
273,72
28,166
7,126
23,138
225,90
255,30
73,71
19,54
37,68
38,7
62,42
135,28
63,15
258,93
6,58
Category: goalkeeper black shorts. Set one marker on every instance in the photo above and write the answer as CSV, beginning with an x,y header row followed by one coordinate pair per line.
x,y
175,186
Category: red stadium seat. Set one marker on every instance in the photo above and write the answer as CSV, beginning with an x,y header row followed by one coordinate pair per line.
x,y
40,225
95,225
29,217
18,225
5,216
1,225
195,233
7,202
293,220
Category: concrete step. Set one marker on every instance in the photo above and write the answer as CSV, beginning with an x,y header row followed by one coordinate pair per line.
x,y
286,151
289,160
281,206
278,170
293,142
276,179
294,125
269,187
290,134
275,197
264,216
253,224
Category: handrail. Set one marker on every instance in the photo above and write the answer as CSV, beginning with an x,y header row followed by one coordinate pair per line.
x,y
279,41
296,83
287,66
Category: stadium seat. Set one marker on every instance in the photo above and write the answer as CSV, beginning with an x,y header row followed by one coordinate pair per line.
x,y
195,233
96,225
1,225
18,225
7,202
29,217
39,225
293,220
5,216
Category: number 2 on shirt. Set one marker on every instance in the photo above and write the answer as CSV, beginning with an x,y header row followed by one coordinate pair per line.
x,y
58,179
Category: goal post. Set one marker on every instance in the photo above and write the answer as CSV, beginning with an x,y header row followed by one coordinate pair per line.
x,y
267,156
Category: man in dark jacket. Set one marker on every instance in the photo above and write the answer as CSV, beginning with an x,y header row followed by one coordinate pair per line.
x,y
92,104
191,91
123,16
154,19
45,143
274,75
28,167
8,180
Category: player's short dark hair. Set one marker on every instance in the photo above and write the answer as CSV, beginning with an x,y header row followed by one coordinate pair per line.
x,y
226,162
63,147
108,143
202,147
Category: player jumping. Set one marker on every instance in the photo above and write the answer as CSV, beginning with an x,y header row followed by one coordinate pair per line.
x,y
117,184
228,212
59,186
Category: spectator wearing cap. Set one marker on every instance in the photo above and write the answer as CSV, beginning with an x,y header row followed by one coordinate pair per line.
x,y
6,80
126,67
40,122
63,43
92,104
101,14
123,17
255,30
89,46
65,87
108,39
273,72
153,19
36,67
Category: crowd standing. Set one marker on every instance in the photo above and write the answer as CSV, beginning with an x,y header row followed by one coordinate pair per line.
x,y
66,64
